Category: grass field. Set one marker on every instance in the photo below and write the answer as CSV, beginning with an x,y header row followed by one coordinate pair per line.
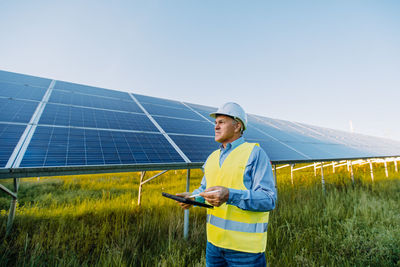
x,y
94,220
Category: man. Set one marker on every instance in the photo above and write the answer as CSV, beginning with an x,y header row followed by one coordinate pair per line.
x,y
241,187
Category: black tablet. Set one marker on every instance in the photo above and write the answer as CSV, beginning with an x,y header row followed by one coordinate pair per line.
x,y
186,200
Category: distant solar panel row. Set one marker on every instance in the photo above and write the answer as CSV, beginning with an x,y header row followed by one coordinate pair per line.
x,y
85,125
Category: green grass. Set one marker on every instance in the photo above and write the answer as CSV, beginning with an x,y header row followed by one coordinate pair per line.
x,y
95,221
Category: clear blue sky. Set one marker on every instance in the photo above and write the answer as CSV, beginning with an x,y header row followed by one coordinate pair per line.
x,y
319,62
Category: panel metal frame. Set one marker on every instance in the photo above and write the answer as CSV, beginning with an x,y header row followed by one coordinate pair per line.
x,y
73,170
27,172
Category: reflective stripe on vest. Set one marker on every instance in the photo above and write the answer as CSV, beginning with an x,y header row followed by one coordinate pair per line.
x,y
237,226
229,226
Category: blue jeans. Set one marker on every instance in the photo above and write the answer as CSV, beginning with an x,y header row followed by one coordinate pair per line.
x,y
218,257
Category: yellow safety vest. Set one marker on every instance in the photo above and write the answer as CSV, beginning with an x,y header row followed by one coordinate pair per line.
x,y
229,226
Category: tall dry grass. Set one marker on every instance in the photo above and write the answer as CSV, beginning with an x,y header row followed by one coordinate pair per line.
x,y
94,220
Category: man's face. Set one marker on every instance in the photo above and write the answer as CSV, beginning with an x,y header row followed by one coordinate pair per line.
x,y
226,129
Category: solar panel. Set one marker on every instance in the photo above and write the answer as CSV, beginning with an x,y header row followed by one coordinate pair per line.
x,y
79,125
367,144
12,110
60,146
55,114
21,91
310,142
9,137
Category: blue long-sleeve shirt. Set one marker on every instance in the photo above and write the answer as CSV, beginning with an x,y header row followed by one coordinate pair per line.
x,y
258,179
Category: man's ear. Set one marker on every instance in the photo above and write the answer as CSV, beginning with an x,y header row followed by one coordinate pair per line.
x,y
238,127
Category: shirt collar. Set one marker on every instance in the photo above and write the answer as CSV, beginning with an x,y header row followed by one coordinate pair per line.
x,y
233,145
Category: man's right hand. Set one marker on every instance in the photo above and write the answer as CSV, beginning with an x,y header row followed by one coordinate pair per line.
x,y
185,195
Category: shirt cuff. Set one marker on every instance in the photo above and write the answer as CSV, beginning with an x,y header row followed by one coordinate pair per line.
x,y
235,196
200,199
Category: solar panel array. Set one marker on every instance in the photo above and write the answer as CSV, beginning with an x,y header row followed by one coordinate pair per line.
x,y
47,123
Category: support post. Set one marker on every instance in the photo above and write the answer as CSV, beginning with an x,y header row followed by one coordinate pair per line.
x,y
322,177
333,166
276,184
351,172
291,172
386,169
16,184
186,212
372,170
11,216
142,174
315,169
13,207
395,165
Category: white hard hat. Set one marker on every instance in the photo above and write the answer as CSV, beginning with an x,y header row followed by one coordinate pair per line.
x,y
233,110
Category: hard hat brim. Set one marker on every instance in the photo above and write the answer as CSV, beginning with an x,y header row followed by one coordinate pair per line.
x,y
215,114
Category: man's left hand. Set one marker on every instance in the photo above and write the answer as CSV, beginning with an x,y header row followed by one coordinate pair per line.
x,y
218,198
